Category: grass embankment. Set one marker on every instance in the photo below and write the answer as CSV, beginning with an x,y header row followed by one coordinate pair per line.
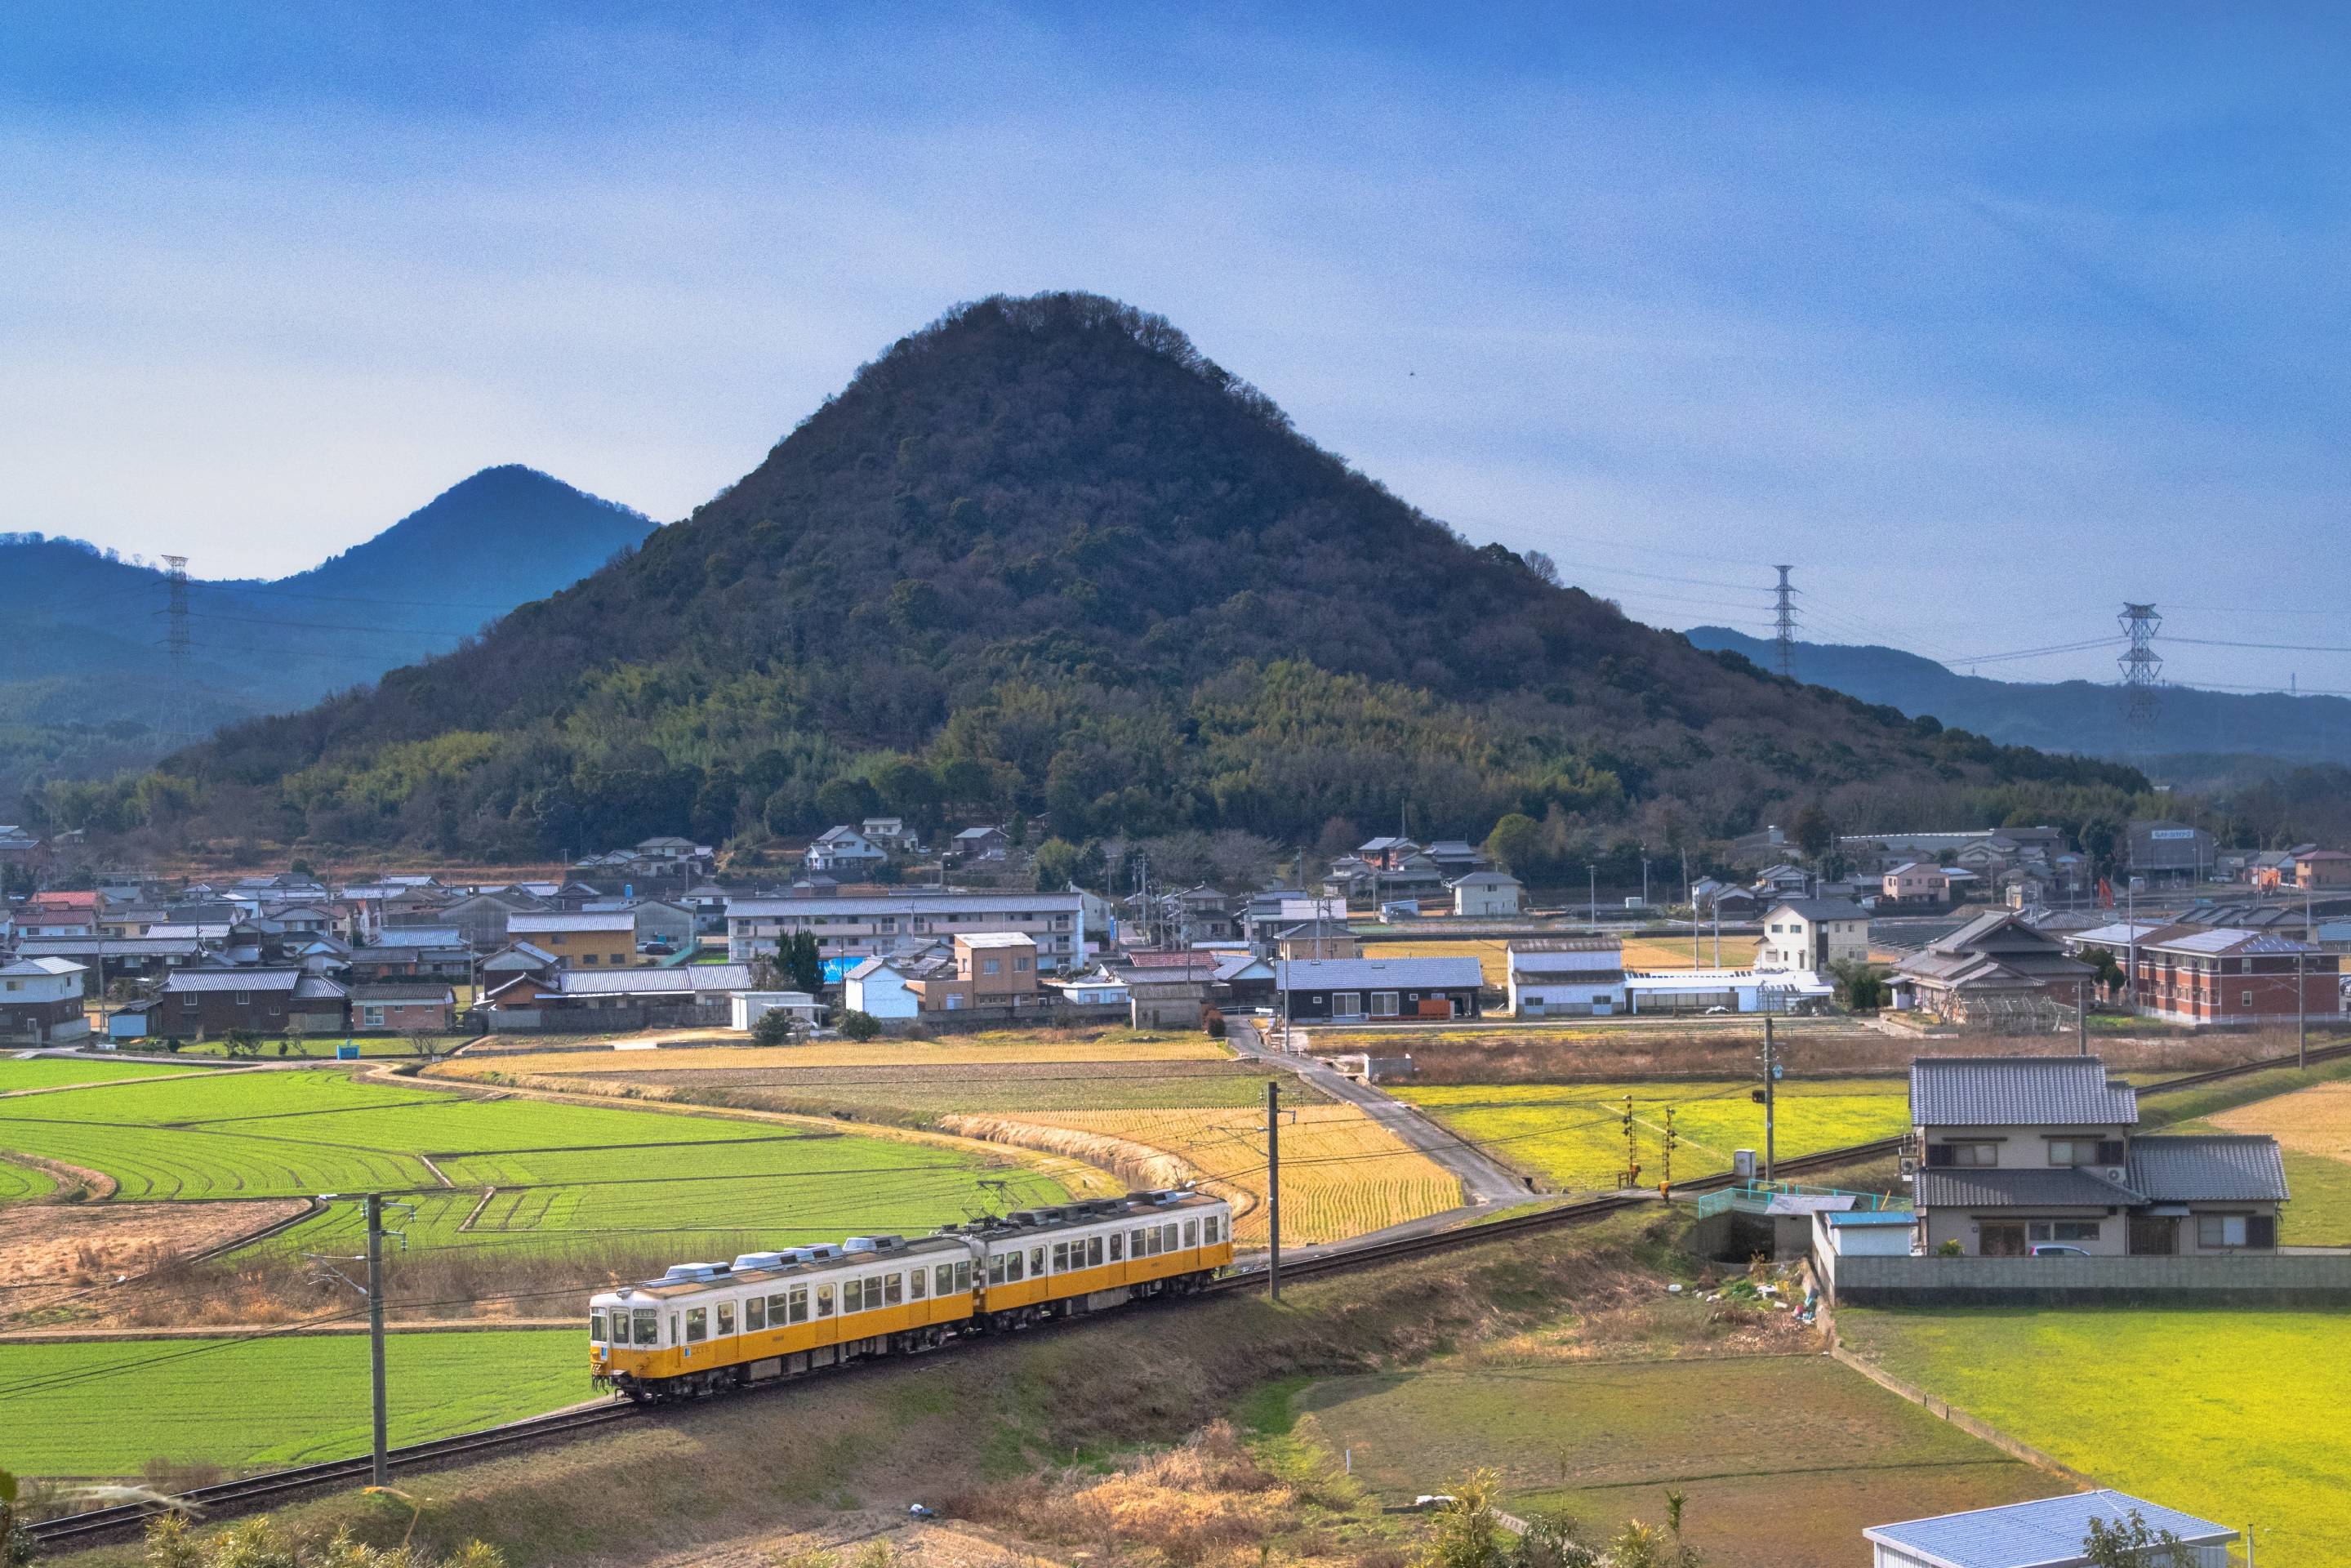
x,y
1573,1136
1040,1432
701,1052
2222,1414
123,1406
1341,1173
312,1047
1782,1458
497,1181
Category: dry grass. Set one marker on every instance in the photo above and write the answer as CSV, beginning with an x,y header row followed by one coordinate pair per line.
x,y
1342,1174
960,1051
2314,1121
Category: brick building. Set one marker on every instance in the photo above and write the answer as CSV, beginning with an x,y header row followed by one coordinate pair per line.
x,y
2230,977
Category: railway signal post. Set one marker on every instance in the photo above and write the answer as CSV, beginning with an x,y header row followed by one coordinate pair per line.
x,y
1771,1077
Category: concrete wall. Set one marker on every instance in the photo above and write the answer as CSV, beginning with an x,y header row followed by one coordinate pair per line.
x,y
2268,1278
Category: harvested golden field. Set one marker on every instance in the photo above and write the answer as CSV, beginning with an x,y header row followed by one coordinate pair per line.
x,y
1492,954
2314,1121
1342,1175
960,1051
1674,953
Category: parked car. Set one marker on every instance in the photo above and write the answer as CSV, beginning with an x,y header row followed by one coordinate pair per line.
x,y
2053,1250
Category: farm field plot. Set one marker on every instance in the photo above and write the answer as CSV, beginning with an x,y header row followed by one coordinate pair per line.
x,y
921,1094
962,1050
554,1175
21,1182
1785,1458
1573,1135
106,1409
1670,953
2217,1412
1342,1174
54,1072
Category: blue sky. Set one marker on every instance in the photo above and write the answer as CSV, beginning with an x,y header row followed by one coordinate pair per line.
x,y
1987,317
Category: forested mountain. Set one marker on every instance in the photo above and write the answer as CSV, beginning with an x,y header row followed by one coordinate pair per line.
x,y
2069,716
1044,557
87,683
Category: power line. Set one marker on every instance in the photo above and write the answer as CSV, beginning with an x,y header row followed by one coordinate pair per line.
x,y
1783,624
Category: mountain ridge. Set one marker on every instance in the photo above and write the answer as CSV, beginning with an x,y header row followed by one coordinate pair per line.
x,y
1045,557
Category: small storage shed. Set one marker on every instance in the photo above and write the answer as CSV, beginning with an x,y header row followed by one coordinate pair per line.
x,y
2046,1533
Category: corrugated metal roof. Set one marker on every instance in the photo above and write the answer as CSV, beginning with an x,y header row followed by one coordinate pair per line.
x,y
1822,908
582,921
1379,974
2059,1186
909,904
185,980
403,991
2018,1090
683,979
2208,1168
2045,1533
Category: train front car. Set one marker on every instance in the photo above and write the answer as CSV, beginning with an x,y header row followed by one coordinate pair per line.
x,y
702,1328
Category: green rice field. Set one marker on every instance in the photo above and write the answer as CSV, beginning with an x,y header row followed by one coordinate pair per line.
x,y
491,1172
1784,1460
109,1409
2223,1414
1573,1133
51,1071
21,1182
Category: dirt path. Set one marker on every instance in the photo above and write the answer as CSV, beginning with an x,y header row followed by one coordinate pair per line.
x,y
52,1251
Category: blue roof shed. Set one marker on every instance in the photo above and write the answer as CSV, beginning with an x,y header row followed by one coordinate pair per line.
x,y
2046,1533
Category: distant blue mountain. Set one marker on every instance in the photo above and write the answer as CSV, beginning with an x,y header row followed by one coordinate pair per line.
x,y
2080,716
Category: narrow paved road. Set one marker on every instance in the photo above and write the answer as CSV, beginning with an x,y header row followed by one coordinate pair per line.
x,y
1484,1182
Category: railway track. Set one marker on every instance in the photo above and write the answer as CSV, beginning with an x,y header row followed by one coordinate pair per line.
x,y
254,1492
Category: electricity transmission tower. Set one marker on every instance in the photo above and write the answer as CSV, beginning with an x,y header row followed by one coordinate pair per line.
x,y
2141,665
1785,624
175,636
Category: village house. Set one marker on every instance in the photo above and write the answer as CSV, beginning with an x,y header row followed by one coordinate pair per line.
x,y
981,846
1913,884
206,1004
106,959
843,852
1316,939
2168,854
1567,976
880,988
41,1002
580,938
1997,970
991,970
1813,934
399,1007
520,959
703,985
480,918
410,952
1487,893
1244,980
1387,853
1385,991
2026,1151
2321,870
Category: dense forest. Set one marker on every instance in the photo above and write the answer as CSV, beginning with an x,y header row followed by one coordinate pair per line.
x,y
1044,557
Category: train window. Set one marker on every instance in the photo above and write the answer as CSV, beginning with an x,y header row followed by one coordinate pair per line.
x,y
962,1277
1061,1257
1168,1233
755,1314
800,1304
893,1289
1117,1248
1191,1233
995,1269
697,1324
824,1301
1037,1263
648,1321
725,1318
853,1297
943,1279
1012,1270
1093,1252
596,1328
1134,1243
914,1283
1208,1231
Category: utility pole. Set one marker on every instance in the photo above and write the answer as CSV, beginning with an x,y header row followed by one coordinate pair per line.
x,y
1632,1149
1770,1076
2081,1018
1665,1180
1644,881
2301,984
375,1330
1691,893
1273,1189
1591,890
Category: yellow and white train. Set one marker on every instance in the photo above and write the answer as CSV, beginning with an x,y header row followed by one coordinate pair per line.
x,y
705,1327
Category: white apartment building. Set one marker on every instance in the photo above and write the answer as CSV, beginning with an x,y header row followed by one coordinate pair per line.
x,y
887,924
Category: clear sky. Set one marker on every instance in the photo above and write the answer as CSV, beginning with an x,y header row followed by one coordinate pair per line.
x,y
1986,318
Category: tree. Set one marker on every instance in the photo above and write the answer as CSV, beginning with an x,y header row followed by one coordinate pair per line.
x,y
1814,833
860,1026
2101,836
241,1042
2132,1543
420,1042
774,1028
16,1545
1860,984
1469,1532
1061,865
1516,843
803,964
2107,973
847,800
